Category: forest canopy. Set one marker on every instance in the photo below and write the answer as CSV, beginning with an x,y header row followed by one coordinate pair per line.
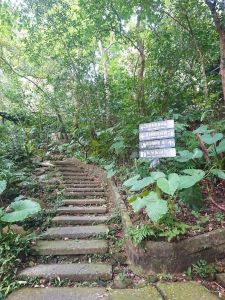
x,y
96,70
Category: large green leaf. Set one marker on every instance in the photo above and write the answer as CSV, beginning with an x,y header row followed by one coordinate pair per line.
x,y
197,153
131,181
221,147
188,181
3,184
212,139
192,196
186,155
156,209
141,195
140,184
21,210
170,185
139,203
195,172
219,173
203,129
156,175
111,173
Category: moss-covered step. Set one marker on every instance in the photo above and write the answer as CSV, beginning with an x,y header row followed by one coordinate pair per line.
x,y
75,272
79,220
82,210
85,293
84,194
93,201
74,232
185,290
70,247
77,293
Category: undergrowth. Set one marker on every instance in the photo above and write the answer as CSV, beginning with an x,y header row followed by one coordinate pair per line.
x,y
14,250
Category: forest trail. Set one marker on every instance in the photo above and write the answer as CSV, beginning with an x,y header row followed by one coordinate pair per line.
x,y
77,243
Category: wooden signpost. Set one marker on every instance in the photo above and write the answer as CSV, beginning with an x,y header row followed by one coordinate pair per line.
x,y
157,140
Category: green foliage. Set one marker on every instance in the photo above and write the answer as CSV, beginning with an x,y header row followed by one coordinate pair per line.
x,y
192,197
14,250
167,228
3,184
170,185
21,209
202,269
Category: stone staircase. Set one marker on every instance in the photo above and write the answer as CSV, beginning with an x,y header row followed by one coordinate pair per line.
x,y
76,230
75,235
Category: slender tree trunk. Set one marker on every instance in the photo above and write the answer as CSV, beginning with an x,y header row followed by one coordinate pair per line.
x,y
141,88
220,27
105,57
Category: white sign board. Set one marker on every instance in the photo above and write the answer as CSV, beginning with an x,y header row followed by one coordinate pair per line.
x,y
157,139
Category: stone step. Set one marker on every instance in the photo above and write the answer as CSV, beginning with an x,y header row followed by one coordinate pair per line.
x,y
79,220
75,272
84,189
74,232
83,194
82,210
85,201
83,185
74,174
70,247
80,181
77,175
59,293
80,178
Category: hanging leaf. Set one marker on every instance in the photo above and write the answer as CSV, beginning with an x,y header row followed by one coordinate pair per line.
x,y
131,181
140,184
219,173
21,210
3,184
170,185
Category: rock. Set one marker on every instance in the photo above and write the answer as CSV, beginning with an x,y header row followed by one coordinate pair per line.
x,y
141,283
121,281
152,279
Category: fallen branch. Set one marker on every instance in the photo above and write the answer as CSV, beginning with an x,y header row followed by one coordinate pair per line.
x,y
216,204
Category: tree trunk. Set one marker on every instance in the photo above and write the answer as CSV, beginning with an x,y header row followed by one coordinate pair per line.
x,y
141,71
220,27
105,57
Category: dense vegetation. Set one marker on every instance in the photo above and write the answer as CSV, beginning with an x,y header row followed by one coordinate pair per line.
x,y
78,77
